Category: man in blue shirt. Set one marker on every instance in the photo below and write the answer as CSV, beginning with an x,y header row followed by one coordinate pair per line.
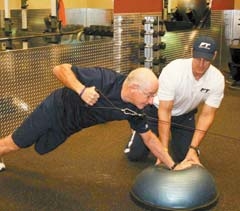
x,y
91,96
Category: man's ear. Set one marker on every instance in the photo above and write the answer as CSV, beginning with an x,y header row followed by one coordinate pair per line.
x,y
215,55
191,52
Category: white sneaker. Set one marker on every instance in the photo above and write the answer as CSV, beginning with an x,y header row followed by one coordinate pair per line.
x,y
229,80
2,166
235,85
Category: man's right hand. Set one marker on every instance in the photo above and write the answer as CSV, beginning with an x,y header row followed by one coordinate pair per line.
x,y
90,95
184,164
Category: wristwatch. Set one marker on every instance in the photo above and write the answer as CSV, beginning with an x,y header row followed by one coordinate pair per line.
x,y
197,150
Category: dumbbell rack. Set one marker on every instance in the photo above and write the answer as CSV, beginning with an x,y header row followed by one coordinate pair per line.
x,y
151,33
148,41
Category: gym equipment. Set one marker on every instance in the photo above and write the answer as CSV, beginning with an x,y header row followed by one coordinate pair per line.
x,y
143,21
142,33
161,33
151,33
141,60
155,47
162,45
234,64
142,46
7,19
24,6
159,188
178,25
156,61
162,59
155,34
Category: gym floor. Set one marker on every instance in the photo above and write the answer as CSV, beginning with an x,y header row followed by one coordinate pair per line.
x,y
90,172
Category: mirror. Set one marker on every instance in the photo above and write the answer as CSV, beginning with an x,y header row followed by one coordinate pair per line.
x,y
187,14
29,27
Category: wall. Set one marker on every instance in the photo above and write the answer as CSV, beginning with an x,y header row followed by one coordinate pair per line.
x,y
137,6
126,6
223,5
104,4
237,4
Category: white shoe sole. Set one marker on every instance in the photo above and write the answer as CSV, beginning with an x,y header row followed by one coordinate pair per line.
x,y
2,167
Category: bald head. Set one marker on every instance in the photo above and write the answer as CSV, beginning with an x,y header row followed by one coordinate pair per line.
x,y
143,78
140,87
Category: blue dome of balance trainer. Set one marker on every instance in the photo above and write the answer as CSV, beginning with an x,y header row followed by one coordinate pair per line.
x,y
159,188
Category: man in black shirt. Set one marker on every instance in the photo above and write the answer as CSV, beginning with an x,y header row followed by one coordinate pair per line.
x,y
91,96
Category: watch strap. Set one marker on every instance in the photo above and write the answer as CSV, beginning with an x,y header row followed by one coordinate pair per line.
x,y
197,150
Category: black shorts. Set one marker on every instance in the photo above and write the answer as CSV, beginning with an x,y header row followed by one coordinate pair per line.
x,y
41,129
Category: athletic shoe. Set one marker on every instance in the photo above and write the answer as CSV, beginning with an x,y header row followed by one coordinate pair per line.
x,y
2,166
235,85
229,80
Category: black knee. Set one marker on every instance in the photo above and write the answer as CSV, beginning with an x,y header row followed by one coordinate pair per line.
x,y
134,157
136,149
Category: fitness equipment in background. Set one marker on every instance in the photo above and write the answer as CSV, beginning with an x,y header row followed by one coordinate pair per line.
x,y
150,55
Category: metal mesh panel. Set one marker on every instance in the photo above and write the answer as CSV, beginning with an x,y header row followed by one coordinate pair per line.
x,y
127,38
26,75
126,31
178,44
99,16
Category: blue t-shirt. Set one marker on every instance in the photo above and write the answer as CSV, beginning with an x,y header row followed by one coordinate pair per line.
x,y
75,114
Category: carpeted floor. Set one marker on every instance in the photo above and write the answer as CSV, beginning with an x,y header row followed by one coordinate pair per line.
x,y
90,172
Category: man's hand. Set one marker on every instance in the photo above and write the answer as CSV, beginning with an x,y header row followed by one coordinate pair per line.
x,y
192,156
184,164
90,95
158,161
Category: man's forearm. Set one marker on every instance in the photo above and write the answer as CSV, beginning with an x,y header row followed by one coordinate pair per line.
x,y
204,122
65,75
164,132
157,148
164,124
164,121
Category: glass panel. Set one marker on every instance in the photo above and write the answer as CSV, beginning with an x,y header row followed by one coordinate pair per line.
x,y
187,14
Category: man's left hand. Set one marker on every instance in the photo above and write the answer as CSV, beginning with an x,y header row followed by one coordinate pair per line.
x,y
192,156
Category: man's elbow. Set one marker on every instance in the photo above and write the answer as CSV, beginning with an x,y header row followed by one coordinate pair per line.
x,y
61,68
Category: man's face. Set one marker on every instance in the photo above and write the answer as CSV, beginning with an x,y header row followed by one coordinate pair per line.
x,y
144,97
199,67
